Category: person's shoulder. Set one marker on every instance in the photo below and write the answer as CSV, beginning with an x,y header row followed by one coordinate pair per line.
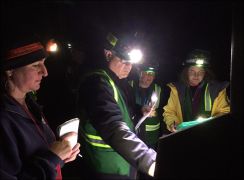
x,y
94,80
219,84
176,86
172,84
6,117
93,76
6,103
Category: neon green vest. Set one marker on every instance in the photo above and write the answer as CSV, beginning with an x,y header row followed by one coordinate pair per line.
x,y
100,155
152,124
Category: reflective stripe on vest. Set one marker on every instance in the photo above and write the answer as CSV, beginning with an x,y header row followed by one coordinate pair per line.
x,y
157,90
116,96
152,127
207,100
96,141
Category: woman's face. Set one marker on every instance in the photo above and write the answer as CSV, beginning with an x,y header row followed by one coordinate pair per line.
x,y
28,78
195,75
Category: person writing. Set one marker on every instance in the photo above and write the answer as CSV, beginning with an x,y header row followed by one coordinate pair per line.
x,y
197,94
149,94
28,148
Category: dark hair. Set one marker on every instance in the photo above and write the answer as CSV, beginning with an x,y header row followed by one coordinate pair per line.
x,y
3,85
209,75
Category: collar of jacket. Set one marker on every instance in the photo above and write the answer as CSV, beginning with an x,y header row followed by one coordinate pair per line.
x,y
113,76
13,106
111,73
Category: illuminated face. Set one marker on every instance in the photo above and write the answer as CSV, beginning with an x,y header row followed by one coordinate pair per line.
x,y
146,79
119,67
195,75
28,78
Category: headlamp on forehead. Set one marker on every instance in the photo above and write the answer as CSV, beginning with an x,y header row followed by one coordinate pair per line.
x,y
135,55
198,58
197,62
124,50
152,73
149,70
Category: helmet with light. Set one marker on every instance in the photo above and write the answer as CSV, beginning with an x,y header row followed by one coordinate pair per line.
x,y
197,57
124,49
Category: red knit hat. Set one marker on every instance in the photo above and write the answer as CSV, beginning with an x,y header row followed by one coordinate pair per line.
x,y
23,54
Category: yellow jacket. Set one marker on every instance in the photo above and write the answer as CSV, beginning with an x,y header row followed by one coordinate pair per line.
x,y
173,113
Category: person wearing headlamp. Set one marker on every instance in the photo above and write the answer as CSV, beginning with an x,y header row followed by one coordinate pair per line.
x,y
197,94
111,147
145,89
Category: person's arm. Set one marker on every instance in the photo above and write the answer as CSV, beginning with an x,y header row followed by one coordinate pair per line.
x,y
170,113
106,117
221,104
164,96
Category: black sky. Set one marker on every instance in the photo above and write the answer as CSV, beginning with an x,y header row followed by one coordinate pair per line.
x,y
170,29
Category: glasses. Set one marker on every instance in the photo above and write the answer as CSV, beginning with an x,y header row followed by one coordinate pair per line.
x,y
150,73
196,74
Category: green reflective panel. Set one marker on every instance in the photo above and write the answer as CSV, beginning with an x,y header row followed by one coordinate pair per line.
x,y
188,124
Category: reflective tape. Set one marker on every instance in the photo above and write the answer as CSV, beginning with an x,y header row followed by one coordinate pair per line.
x,y
152,127
96,141
207,100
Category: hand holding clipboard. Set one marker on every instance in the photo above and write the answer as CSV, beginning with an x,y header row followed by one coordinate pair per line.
x,y
69,126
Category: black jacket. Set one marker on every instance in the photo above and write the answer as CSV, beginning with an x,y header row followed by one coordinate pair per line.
x,y
97,99
24,148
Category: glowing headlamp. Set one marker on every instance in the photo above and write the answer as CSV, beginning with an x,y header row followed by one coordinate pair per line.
x,y
135,56
199,62
149,70
123,50
198,58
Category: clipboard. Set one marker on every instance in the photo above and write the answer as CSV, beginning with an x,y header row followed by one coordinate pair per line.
x,y
71,125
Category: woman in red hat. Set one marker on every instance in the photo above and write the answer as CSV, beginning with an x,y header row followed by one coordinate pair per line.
x,y
28,149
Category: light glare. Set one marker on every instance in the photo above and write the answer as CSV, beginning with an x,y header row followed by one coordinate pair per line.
x,y
53,47
199,62
135,55
154,97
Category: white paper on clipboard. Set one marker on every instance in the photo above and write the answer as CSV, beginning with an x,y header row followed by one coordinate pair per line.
x,y
71,125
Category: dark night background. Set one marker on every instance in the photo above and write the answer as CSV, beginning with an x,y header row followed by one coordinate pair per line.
x,y
169,30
